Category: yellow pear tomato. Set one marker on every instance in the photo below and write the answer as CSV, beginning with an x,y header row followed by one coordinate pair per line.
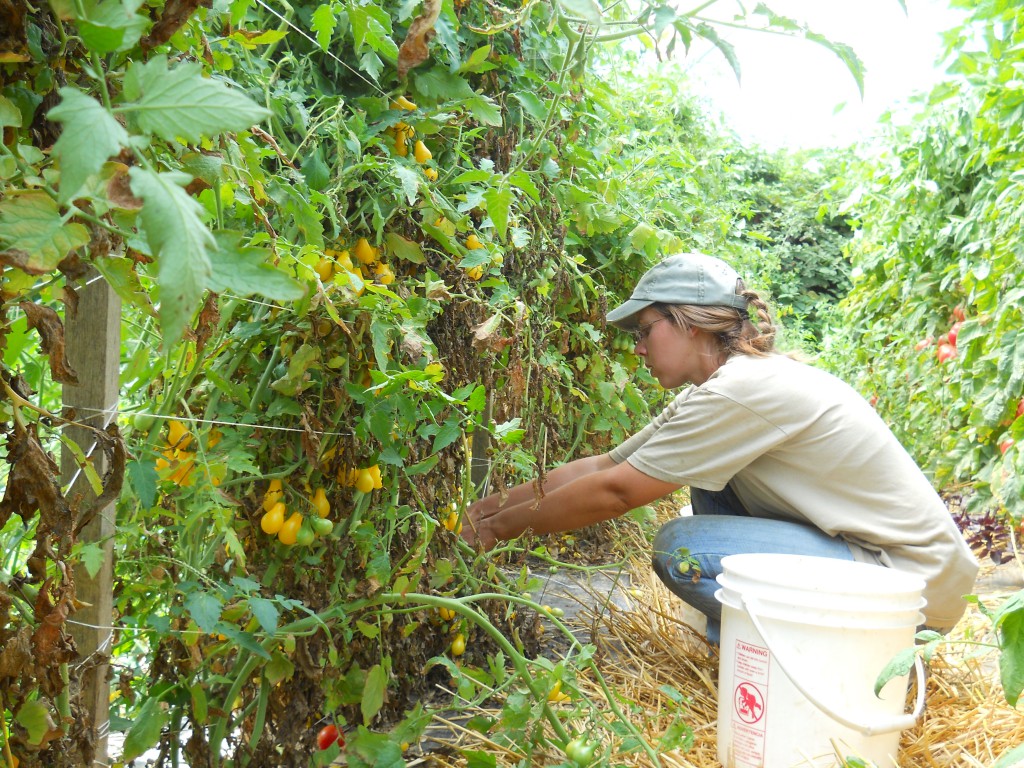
x,y
420,152
288,534
365,252
272,520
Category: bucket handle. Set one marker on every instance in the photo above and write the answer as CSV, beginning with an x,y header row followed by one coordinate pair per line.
x,y
885,725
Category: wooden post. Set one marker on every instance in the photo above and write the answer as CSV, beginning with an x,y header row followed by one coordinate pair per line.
x,y
480,459
92,337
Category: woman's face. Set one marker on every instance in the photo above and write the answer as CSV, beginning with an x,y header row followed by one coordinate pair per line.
x,y
675,356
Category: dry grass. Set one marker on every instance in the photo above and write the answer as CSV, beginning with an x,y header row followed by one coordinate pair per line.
x,y
649,644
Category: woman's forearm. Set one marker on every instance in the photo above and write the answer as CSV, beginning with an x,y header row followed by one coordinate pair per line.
x,y
553,480
577,495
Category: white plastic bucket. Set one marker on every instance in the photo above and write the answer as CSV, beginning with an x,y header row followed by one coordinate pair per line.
x,y
803,640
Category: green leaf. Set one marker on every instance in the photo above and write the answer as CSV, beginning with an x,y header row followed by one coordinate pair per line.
x,y
499,201
373,693
477,400
112,25
477,61
89,137
373,750
34,234
588,10
534,106
244,270
473,177
846,54
205,167
726,48
324,22
371,26
448,434
315,170
478,759
521,180
440,84
371,631
1009,621
279,668
266,613
10,115
92,557
204,608
484,110
180,103
402,248
121,276
200,706
145,730
409,179
143,477
422,467
174,228
34,717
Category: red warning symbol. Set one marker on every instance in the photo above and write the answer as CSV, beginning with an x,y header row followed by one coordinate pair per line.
x,y
749,702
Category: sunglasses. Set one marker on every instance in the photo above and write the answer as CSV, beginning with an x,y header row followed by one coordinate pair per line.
x,y
640,333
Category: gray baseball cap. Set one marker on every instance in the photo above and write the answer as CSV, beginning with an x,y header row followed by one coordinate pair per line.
x,y
686,278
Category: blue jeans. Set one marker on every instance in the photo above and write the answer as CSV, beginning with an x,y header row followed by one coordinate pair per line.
x,y
720,526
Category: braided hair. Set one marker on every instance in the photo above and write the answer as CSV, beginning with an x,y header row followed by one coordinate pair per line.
x,y
734,329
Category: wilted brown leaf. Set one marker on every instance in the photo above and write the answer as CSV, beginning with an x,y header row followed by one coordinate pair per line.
x,y
51,336
312,428
15,257
486,336
111,445
32,485
414,49
16,656
173,18
119,190
52,645
70,298
207,321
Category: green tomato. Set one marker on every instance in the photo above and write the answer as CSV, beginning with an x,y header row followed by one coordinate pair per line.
x,y
581,751
321,525
304,537
143,422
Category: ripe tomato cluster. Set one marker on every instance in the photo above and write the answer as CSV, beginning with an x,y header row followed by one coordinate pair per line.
x,y
294,528
177,461
364,480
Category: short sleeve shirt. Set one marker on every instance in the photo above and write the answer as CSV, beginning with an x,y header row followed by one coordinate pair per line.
x,y
796,443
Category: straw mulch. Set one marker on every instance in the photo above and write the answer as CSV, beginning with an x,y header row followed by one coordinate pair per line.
x,y
650,644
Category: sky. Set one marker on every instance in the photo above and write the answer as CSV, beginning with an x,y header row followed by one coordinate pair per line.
x,y
797,94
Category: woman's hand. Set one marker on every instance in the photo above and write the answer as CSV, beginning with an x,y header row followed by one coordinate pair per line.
x,y
477,528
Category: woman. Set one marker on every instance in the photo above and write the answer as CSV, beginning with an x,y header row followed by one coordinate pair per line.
x,y
779,456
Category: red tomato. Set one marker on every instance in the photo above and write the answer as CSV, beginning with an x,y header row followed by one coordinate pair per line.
x,y
328,735
1006,445
954,332
958,314
925,342
1020,408
945,352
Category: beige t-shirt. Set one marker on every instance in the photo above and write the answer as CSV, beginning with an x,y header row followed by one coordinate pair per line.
x,y
797,443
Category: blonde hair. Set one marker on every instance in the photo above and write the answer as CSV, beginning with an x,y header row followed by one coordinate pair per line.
x,y
735,332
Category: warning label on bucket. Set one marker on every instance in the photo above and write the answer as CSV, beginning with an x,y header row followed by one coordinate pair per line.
x,y
750,675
